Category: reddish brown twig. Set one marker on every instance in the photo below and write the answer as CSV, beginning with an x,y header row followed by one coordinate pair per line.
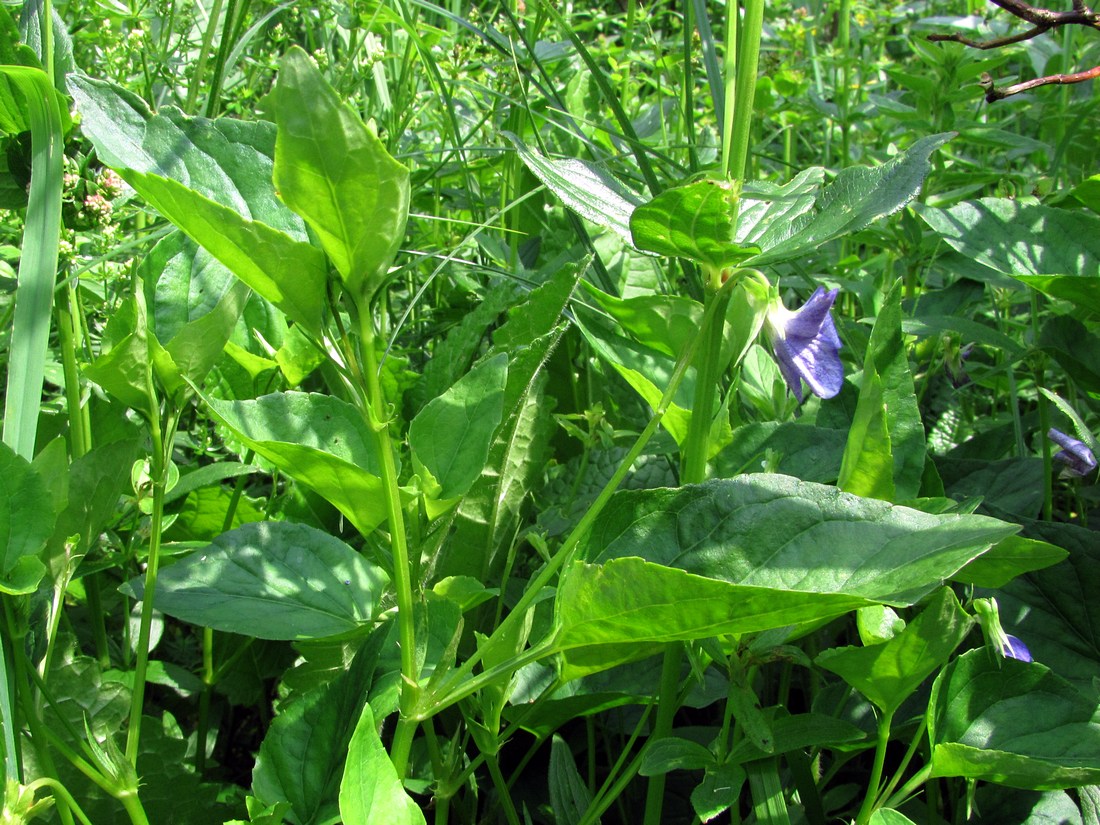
x,y
1042,20
992,93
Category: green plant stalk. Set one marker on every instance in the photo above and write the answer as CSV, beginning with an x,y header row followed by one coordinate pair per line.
x,y
162,445
618,778
402,571
748,61
505,796
844,34
668,702
875,781
7,713
460,684
909,788
204,56
60,792
231,28
729,72
905,760
69,329
697,448
133,806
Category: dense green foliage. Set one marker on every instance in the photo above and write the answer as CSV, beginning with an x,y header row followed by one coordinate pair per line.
x,y
662,412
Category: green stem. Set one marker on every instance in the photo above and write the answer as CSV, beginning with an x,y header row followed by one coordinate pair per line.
x,y
7,706
133,806
204,56
68,331
747,63
402,571
697,448
667,705
905,760
61,792
161,456
910,787
875,779
501,786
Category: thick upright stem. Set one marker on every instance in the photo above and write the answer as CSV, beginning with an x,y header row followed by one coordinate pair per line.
x,y
161,455
697,447
402,570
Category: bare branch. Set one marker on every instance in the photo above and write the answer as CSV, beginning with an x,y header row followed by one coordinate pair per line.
x,y
995,43
993,94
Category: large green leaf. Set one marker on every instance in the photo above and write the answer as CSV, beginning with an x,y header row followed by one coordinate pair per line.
x,y
583,187
776,532
26,521
334,172
302,758
884,457
271,580
370,792
1055,611
28,100
451,436
616,612
212,179
693,221
318,440
889,672
1014,723
858,196
1057,251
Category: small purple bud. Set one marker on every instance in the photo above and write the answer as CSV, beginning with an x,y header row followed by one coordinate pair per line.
x,y
1077,457
1015,649
807,346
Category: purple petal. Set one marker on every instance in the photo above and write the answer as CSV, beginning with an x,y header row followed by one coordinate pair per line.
x,y
1015,649
806,347
1077,457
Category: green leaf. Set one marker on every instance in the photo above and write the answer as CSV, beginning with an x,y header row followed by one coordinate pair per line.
x,y
770,214
451,436
583,187
193,303
889,672
645,368
318,440
857,197
618,611
801,450
1007,559
38,107
674,753
569,795
370,791
1013,723
26,521
1057,251
718,792
693,221
335,173
888,816
302,758
884,457
212,179
1075,348
1055,611
776,532
271,580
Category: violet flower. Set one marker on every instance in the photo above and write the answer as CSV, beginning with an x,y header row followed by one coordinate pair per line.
x,y
1013,648
1077,457
806,345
